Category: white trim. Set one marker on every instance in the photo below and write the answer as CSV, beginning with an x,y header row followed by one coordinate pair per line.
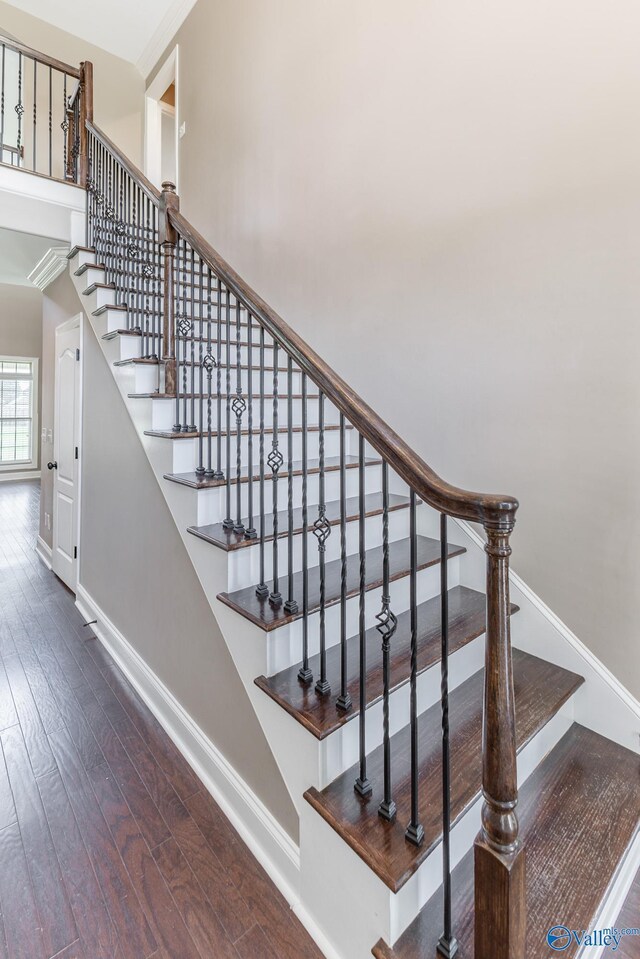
x,y
9,477
163,35
154,108
49,267
579,647
617,894
44,551
35,419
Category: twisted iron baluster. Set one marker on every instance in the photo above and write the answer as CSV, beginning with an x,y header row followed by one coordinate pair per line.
x,y
343,701
275,461
250,531
200,467
19,107
218,474
209,365
291,606
262,590
239,407
322,531
387,625
304,673
414,832
447,945
228,520
362,784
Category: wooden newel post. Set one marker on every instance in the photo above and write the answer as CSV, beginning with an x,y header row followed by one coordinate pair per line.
x,y
168,239
500,908
86,113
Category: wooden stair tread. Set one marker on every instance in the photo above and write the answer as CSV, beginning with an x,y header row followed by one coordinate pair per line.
x,y
233,344
282,430
226,539
137,360
540,690
331,464
318,714
262,613
579,812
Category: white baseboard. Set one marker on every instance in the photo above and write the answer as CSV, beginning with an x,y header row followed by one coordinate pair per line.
x,y
10,477
44,551
270,844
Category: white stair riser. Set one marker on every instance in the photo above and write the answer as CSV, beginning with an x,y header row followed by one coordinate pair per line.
x,y
185,452
285,643
354,923
81,257
243,563
210,504
163,413
92,275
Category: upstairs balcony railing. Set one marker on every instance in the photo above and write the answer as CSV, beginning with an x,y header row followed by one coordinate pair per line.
x,y
234,368
44,106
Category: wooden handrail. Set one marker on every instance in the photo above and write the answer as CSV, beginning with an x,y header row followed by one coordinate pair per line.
x,y
136,174
40,57
491,510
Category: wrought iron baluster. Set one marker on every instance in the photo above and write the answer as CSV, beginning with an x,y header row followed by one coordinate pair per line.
x,y
322,531
362,784
209,364
50,122
192,312
186,329
175,266
262,590
19,108
343,701
64,126
448,944
291,606
239,407
250,531
275,461
228,522
2,80
387,625
414,831
218,472
305,674
200,466
35,115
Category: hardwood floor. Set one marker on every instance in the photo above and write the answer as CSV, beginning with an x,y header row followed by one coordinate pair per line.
x,y
110,847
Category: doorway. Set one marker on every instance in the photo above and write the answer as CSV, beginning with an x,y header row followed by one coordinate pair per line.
x,y
161,124
66,446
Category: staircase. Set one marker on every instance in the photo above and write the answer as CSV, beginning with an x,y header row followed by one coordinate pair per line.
x,y
457,794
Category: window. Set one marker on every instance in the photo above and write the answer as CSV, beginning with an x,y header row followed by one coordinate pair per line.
x,y
18,426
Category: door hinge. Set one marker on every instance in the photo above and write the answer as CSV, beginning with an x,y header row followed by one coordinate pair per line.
x,y
75,552
76,452
78,353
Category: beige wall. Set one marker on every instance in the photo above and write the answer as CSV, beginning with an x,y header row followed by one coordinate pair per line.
x,y
135,566
118,87
21,333
444,198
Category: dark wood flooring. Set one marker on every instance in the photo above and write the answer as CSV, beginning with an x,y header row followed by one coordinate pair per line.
x,y
110,846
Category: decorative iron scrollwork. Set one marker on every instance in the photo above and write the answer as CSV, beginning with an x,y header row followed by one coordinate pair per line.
x,y
238,406
322,529
147,271
19,109
275,459
184,325
209,363
387,623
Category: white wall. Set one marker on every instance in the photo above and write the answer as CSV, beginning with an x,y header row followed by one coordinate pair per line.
x,y
444,198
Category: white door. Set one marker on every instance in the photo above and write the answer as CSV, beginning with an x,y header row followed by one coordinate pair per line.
x,y
64,466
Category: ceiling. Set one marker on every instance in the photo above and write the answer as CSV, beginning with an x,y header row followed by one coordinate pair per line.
x,y
19,253
126,30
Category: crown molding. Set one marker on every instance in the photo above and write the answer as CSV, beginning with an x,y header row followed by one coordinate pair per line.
x,y
163,35
50,267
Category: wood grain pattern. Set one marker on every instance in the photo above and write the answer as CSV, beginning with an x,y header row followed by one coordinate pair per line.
x,y
263,614
78,878
318,714
579,812
331,464
540,690
217,535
